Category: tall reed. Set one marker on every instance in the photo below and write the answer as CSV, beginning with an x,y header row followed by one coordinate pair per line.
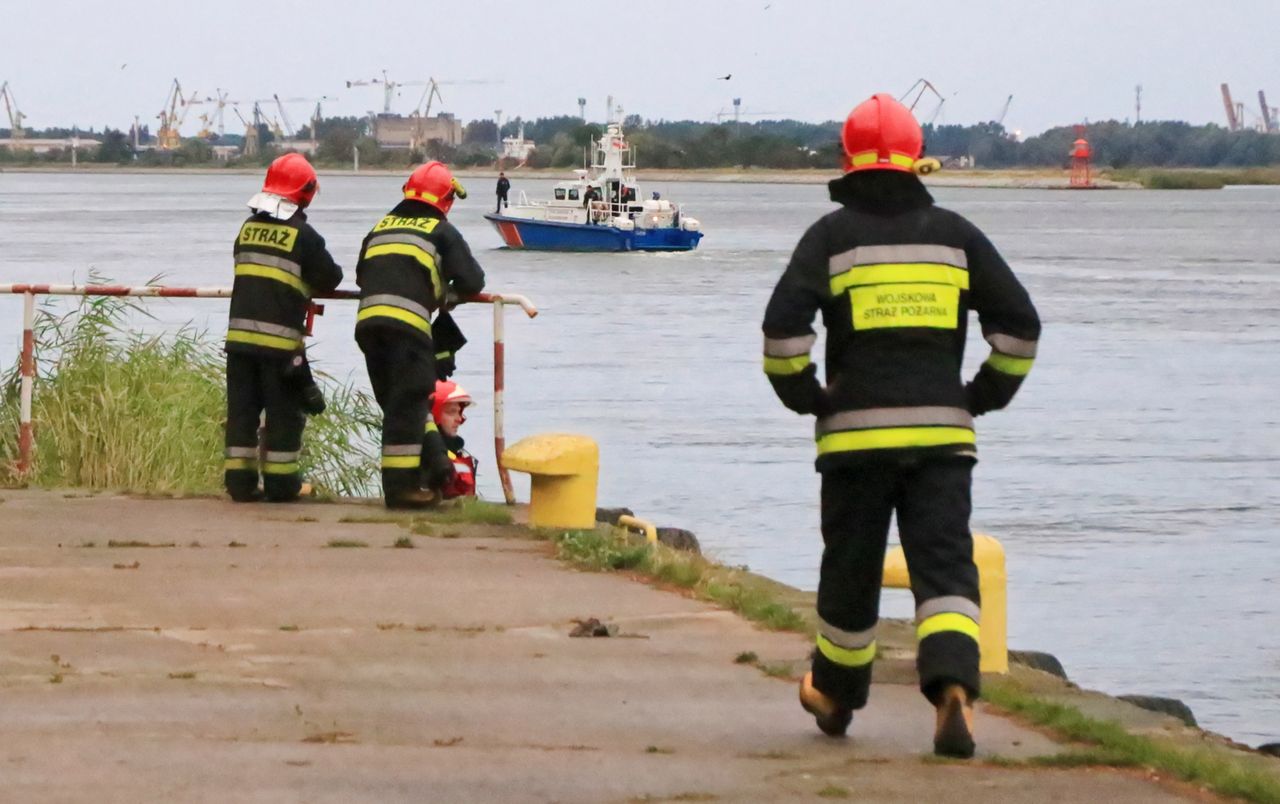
x,y
145,413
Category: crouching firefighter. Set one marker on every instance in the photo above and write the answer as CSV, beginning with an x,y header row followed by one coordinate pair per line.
x,y
280,260
412,263
895,277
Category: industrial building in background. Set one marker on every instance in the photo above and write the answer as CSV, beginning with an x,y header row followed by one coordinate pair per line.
x,y
19,141
418,128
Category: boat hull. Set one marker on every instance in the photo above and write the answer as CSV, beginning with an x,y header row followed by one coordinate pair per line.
x,y
522,233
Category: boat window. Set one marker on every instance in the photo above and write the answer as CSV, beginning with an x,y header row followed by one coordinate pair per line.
x,y
559,193
573,193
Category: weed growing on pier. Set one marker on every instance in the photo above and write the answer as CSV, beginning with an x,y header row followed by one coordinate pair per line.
x,y
616,549
122,410
1110,745
471,511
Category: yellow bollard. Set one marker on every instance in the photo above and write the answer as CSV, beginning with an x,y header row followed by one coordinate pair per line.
x,y
993,631
563,471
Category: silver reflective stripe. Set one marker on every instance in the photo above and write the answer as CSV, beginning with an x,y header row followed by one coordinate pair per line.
x,y
407,239
269,260
895,417
282,457
402,449
948,604
1009,345
249,325
789,347
395,301
878,255
242,452
853,640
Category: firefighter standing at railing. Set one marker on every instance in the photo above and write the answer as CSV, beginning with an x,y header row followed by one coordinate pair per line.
x,y
895,277
411,263
280,260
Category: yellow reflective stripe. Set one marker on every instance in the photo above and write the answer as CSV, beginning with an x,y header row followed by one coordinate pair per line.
x,y
845,656
785,365
423,257
872,157
290,468
888,273
398,313
267,272
892,437
947,621
431,427
401,461
423,194
262,339
239,464
1017,366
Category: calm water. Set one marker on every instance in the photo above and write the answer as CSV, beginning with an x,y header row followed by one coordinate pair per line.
x,y
1135,481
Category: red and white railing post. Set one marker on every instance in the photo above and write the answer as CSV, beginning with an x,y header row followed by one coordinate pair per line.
x,y
28,372
28,366
499,386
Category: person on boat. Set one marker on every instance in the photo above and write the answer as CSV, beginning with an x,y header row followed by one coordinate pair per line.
x,y
412,263
895,277
448,406
504,186
589,197
280,260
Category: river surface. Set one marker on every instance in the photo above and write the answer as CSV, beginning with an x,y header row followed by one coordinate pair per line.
x,y
1135,481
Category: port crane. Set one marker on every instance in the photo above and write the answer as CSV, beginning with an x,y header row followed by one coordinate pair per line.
x,y
433,90
315,114
1004,112
920,87
171,117
389,87
1235,111
16,131
251,145
210,120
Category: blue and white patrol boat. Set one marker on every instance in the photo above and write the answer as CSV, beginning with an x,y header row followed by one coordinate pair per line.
x,y
600,209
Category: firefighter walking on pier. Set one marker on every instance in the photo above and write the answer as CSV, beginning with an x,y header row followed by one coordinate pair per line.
x,y
895,277
280,261
412,263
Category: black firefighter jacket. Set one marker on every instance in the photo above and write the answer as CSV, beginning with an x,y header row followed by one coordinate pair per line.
x,y
279,265
895,277
410,264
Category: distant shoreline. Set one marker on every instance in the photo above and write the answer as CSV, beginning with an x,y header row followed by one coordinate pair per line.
x,y
1012,178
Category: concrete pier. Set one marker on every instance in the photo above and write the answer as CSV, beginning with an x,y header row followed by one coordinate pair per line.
x,y
240,657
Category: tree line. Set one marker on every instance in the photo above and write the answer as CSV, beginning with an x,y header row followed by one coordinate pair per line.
x,y
562,142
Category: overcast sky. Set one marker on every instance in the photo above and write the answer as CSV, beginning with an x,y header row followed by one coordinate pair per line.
x,y
94,63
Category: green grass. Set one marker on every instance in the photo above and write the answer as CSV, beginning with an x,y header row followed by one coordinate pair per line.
x,y
134,543
404,543
1110,745
115,409
471,511
734,589
369,520
1194,179
834,791
346,543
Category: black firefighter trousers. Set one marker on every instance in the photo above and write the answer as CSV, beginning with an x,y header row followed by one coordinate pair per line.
x,y
931,499
256,384
403,375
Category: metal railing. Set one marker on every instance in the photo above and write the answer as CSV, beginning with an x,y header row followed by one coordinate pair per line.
x,y
28,367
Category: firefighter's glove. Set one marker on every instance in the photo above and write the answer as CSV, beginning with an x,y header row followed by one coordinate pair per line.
x,y
298,376
802,392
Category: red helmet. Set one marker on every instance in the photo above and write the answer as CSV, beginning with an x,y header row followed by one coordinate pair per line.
x,y
881,134
434,184
447,392
291,176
